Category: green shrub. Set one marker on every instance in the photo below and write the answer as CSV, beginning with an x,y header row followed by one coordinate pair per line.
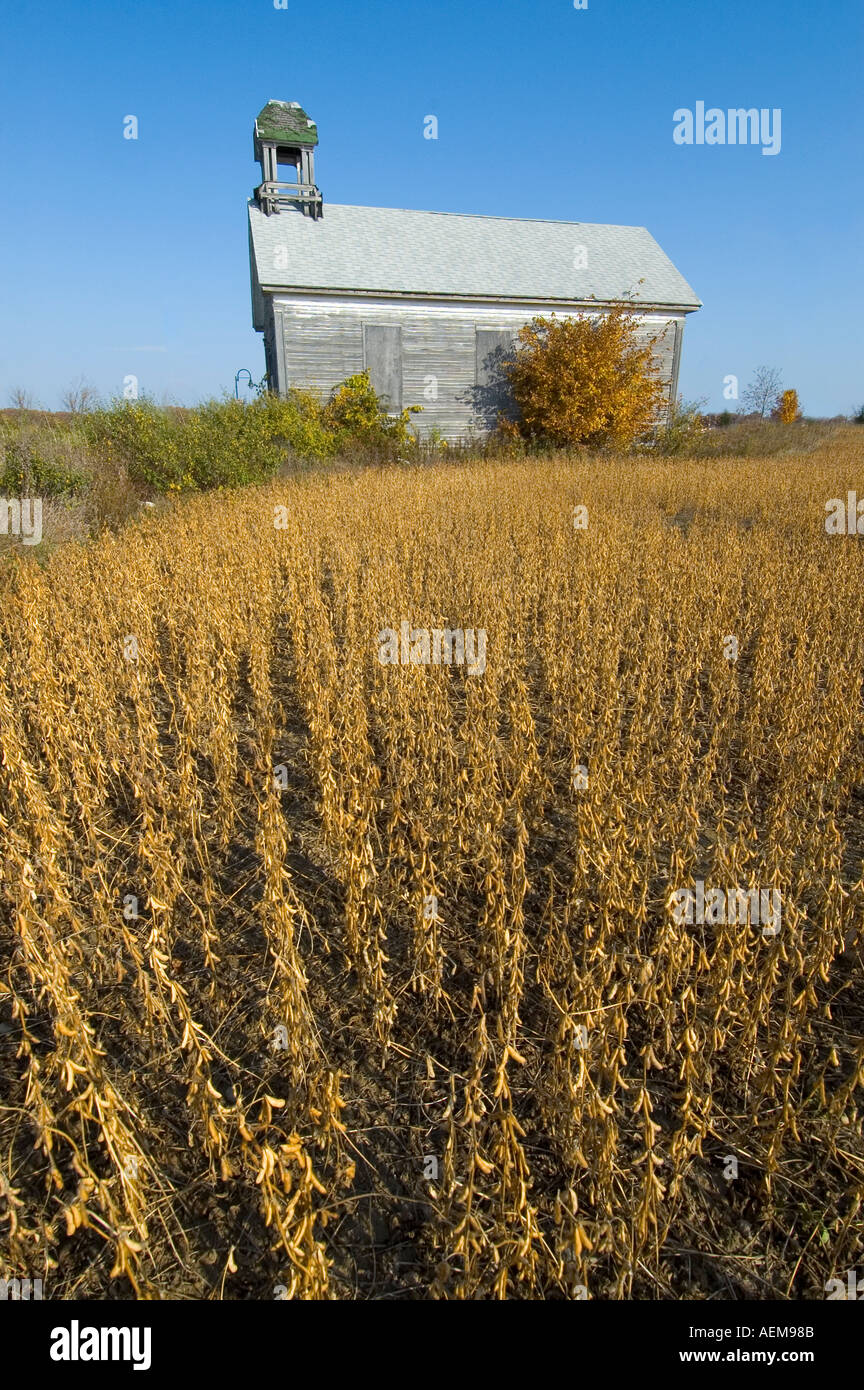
x,y
127,447
26,472
356,415
224,443
140,436
683,430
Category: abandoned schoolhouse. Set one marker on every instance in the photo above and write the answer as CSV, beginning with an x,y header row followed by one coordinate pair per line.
x,y
429,303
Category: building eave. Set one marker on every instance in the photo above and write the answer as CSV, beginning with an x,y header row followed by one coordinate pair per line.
x,y
335,292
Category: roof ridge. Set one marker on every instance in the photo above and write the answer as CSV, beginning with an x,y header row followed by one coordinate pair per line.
x,y
486,216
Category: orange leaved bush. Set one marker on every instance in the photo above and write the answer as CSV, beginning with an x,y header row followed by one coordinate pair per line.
x,y
787,409
584,380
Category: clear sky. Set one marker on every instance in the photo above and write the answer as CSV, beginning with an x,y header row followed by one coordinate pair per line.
x,y
126,257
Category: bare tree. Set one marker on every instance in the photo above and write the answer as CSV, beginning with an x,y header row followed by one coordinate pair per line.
x,y
79,398
762,391
20,399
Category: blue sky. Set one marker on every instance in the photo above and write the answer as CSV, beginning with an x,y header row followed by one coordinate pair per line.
x,y
126,257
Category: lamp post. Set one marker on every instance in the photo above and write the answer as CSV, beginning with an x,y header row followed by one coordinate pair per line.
x,y
237,377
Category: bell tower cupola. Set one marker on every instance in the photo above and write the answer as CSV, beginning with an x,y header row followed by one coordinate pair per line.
x,y
285,140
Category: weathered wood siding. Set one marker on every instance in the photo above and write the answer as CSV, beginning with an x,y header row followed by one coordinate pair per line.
x,y
449,352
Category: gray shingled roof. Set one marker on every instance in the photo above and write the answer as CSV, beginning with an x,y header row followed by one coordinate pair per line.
x,y
394,250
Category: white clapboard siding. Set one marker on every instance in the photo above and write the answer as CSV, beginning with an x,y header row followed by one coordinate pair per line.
x,y
319,341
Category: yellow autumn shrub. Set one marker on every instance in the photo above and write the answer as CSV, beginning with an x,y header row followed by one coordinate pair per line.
x,y
584,381
787,410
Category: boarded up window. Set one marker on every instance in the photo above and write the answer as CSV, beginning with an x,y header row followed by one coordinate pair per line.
x,y
492,394
382,355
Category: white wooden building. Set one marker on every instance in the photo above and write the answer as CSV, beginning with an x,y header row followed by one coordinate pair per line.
x,y
429,302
